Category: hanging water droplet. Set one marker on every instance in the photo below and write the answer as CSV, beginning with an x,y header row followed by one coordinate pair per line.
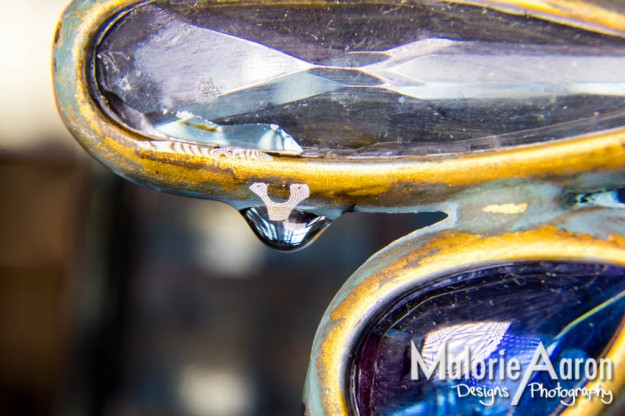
x,y
296,232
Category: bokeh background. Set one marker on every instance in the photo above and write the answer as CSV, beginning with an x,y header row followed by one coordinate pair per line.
x,y
119,300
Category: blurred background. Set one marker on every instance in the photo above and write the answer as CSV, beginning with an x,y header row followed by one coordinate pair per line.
x,y
119,300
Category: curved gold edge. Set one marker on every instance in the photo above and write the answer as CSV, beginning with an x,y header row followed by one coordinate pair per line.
x,y
370,182
449,252
616,352
576,13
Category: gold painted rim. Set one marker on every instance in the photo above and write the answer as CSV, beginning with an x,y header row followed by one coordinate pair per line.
x,y
335,182
447,253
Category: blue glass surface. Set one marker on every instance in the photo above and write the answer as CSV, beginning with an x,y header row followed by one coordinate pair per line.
x,y
502,314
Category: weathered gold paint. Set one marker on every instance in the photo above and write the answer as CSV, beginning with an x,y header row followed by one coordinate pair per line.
x,y
380,182
336,182
448,252
507,209
578,13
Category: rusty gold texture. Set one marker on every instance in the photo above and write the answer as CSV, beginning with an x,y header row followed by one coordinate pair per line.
x,y
371,183
447,253
578,13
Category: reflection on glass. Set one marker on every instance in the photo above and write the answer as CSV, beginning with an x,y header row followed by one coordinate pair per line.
x,y
466,344
332,79
471,343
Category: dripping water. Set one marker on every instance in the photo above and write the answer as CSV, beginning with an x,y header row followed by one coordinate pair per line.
x,y
299,230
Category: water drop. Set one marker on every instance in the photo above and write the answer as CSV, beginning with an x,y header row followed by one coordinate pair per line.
x,y
296,232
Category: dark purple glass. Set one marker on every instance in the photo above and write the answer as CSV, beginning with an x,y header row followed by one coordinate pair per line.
x,y
573,310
